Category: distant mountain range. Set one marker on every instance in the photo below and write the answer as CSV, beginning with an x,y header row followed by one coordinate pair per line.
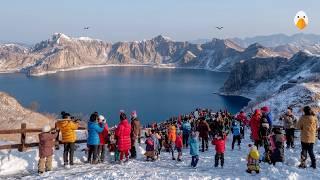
x,y
61,53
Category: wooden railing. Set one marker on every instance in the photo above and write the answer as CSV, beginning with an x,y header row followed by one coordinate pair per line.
x,y
23,132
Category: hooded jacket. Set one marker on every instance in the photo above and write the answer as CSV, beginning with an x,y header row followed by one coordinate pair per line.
x,y
308,126
194,146
123,132
46,144
67,128
93,133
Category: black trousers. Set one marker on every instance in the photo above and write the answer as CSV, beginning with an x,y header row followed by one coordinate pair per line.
x,y
68,153
307,148
133,151
217,157
185,139
93,153
235,139
290,137
205,145
101,152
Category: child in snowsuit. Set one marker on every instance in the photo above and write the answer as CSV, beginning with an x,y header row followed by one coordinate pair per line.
x,y
178,146
235,129
253,160
194,148
46,144
277,146
220,142
150,152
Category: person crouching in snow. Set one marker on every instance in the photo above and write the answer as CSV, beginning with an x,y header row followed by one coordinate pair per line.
x,y
194,148
277,146
179,145
150,148
235,129
253,160
46,143
103,138
220,142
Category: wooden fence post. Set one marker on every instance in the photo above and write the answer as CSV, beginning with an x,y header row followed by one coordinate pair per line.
x,y
23,137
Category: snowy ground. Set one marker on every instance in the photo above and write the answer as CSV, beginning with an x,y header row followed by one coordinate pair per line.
x,y
24,166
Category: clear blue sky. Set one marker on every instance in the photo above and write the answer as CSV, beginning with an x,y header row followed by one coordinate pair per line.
x,y
30,21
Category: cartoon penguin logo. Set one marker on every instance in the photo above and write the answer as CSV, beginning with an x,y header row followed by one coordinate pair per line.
x,y
301,20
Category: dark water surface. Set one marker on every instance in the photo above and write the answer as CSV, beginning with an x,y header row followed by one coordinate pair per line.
x,y
156,94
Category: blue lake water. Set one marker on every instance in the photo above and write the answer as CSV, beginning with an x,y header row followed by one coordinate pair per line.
x,y
156,94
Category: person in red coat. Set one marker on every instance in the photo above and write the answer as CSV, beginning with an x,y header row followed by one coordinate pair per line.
x,y
255,126
220,142
179,145
123,132
242,118
103,136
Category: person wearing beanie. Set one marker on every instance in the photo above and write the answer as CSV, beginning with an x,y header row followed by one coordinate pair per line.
x,y
194,148
46,143
135,133
104,136
267,114
253,160
308,124
68,128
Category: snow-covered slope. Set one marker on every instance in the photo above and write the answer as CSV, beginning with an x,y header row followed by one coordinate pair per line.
x,y
24,166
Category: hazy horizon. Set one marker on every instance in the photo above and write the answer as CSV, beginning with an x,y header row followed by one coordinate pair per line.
x,y
124,20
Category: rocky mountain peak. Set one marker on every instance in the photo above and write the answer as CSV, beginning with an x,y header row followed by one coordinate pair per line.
x,y
161,38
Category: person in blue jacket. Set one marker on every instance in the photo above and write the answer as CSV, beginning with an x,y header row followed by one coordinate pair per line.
x,y
194,148
93,141
186,129
235,129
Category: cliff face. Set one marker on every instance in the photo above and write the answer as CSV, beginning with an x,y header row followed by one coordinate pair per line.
x,y
61,52
12,114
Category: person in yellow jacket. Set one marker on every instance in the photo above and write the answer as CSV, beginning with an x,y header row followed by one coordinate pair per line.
x,y
253,160
308,124
67,128
172,135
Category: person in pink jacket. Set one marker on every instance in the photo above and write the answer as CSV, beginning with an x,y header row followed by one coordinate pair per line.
x,y
123,132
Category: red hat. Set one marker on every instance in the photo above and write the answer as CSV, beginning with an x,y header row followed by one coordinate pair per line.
x,y
265,109
257,111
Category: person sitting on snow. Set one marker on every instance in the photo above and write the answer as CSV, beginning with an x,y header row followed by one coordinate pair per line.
x,y
253,160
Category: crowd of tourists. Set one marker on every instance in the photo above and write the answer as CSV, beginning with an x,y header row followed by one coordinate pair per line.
x,y
193,131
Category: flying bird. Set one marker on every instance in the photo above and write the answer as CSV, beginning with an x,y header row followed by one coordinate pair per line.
x,y
219,27
86,28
